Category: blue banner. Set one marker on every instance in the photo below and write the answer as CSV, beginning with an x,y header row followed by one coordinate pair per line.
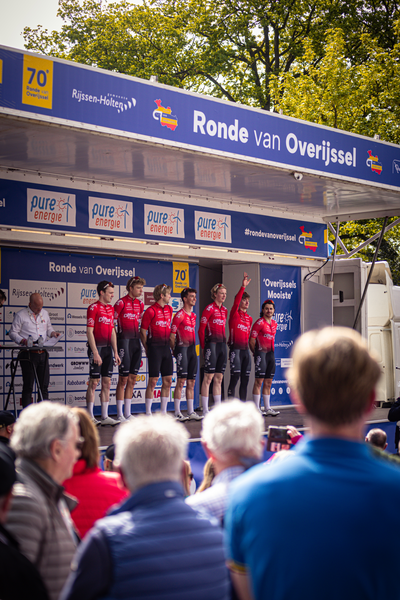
x,y
80,94
282,285
70,210
67,283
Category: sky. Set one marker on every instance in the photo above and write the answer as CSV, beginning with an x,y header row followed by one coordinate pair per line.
x,y
17,14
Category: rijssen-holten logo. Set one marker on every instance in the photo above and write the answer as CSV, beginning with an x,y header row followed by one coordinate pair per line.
x,y
165,116
164,221
373,163
305,239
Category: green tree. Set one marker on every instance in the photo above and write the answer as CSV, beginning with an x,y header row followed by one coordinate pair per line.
x,y
229,49
355,233
361,98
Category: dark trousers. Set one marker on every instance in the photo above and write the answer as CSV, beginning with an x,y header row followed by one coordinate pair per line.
x,y
41,361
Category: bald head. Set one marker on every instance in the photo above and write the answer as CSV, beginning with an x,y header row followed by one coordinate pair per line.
x,y
36,303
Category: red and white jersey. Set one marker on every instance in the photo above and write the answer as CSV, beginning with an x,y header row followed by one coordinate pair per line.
x,y
157,322
101,317
264,333
127,314
212,324
183,326
239,324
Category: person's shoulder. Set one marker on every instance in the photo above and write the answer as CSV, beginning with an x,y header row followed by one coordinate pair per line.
x,y
120,302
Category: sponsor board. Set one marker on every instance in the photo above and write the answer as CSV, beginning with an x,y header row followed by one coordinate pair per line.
x,y
164,221
212,227
53,293
56,366
75,399
51,208
77,333
138,396
17,384
110,215
1,367
77,366
78,349
57,383
57,315
76,316
76,382
56,351
9,313
81,295
148,299
57,397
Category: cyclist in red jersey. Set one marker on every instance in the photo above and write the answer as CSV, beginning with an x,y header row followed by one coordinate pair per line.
x,y
155,330
183,344
128,312
239,332
262,345
213,341
102,343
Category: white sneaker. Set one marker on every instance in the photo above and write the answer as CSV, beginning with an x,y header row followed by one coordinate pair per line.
x,y
109,421
194,417
271,413
122,418
95,422
180,417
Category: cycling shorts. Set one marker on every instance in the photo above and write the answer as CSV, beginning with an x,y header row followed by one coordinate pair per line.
x,y
264,363
215,357
130,353
186,362
107,365
160,360
239,360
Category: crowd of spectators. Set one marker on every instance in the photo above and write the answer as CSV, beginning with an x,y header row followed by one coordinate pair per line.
x,y
254,530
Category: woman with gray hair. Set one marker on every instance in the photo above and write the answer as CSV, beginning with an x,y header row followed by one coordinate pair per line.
x,y
47,445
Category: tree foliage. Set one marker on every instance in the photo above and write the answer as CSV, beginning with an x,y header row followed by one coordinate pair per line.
x,y
355,233
229,48
332,62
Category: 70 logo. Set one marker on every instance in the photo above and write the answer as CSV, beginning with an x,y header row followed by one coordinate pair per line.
x,y
37,81
41,76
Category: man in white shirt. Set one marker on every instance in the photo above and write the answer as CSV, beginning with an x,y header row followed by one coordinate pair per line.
x,y
33,321
232,437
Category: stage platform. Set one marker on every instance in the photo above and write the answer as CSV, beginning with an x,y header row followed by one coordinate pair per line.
x,y
288,416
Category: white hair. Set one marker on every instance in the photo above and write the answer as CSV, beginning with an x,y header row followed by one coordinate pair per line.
x,y
38,426
150,449
233,427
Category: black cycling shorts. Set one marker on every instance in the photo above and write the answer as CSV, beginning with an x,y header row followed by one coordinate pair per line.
x,y
106,367
160,360
215,357
186,362
130,353
240,362
264,363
